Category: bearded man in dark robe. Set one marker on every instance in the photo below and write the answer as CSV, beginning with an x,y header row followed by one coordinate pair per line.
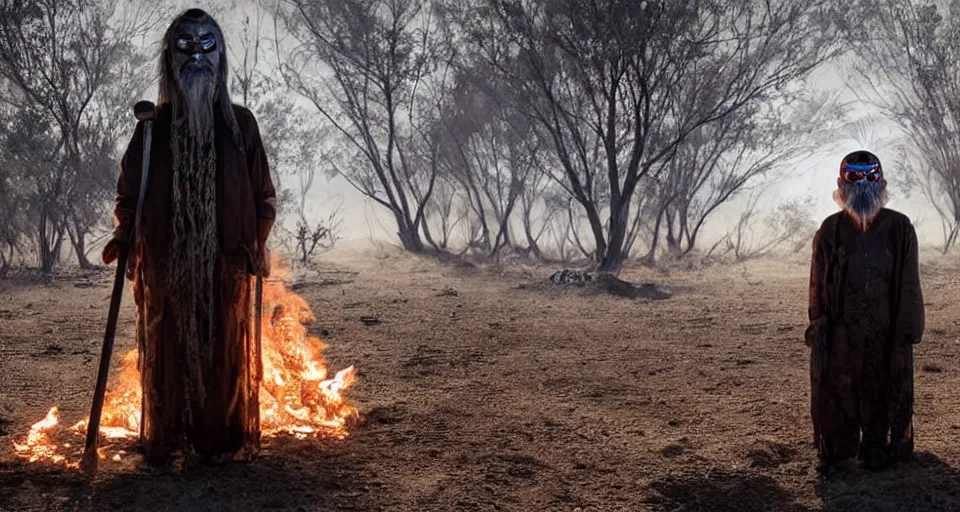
x,y
209,207
866,314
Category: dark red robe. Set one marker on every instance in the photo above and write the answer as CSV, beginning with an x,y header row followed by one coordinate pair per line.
x,y
861,361
229,420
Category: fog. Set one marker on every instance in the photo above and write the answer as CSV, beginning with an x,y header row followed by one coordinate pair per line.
x,y
815,176
807,174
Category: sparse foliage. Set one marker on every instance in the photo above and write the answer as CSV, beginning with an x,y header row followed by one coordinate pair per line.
x,y
293,139
446,209
320,238
787,228
73,88
764,140
491,153
618,85
372,69
537,212
913,62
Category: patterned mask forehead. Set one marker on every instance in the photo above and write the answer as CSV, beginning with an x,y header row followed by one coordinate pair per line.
x,y
852,173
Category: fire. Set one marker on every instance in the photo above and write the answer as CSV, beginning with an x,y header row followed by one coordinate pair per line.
x,y
298,397
38,444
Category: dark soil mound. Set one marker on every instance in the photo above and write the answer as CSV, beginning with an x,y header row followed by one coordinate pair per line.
x,y
612,285
605,284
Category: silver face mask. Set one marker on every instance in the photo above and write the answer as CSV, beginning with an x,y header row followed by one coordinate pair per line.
x,y
195,51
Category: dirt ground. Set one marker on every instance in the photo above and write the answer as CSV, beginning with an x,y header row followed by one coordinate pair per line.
x,y
480,393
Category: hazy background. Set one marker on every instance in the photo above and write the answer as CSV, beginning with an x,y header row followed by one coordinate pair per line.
x,y
815,176
863,80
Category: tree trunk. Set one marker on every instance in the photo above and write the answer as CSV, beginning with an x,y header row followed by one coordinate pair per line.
x,y
408,234
5,263
410,240
952,236
532,245
503,238
430,240
596,227
80,247
79,242
50,240
619,223
650,258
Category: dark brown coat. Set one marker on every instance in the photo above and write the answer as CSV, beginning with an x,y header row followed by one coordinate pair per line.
x,y
861,335
229,420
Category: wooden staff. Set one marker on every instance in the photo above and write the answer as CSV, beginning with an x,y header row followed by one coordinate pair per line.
x,y
144,111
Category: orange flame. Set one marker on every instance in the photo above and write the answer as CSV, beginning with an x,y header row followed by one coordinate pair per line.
x,y
38,444
297,397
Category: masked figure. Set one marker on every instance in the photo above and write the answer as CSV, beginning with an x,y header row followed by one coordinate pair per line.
x,y
209,207
866,313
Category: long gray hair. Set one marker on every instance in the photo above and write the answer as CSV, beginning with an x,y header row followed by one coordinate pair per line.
x,y
169,92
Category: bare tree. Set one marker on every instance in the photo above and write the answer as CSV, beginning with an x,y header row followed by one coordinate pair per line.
x,y
447,209
319,238
74,83
26,147
912,59
491,152
631,79
565,225
294,146
536,211
788,227
278,116
319,235
372,68
718,160
561,228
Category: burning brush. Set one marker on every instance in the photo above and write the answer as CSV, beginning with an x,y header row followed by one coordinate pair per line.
x,y
297,395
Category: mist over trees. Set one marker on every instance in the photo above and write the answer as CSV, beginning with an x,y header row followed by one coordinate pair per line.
x,y
291,144
550,130
596,97
69,71
909,51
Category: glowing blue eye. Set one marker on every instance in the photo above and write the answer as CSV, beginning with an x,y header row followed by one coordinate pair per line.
x,y
208,42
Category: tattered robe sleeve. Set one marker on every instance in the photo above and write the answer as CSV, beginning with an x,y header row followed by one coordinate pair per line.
x,y
910,317
128,185
264,192
817,306
128,193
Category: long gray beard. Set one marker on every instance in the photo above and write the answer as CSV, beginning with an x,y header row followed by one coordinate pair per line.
x,y
861,200
197,100
194,242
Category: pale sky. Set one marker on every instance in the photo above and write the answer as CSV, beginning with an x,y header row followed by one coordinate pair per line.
x,y
816,175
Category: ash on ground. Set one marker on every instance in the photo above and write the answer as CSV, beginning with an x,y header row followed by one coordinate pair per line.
x,y
568,277
593,283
